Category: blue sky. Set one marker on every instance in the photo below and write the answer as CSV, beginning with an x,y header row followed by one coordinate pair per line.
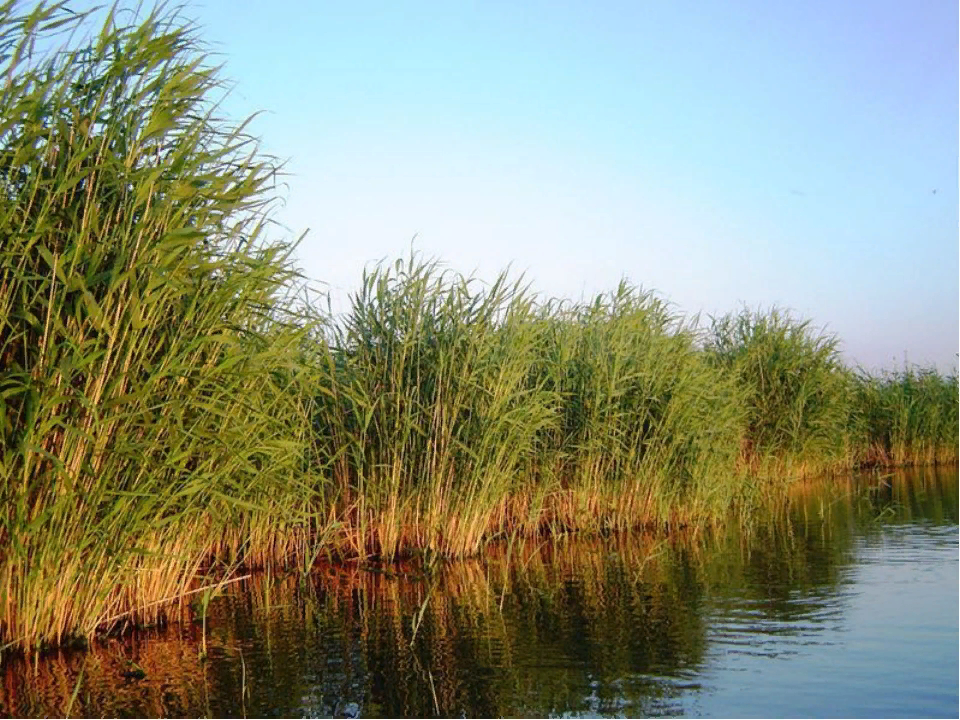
x,y
802,154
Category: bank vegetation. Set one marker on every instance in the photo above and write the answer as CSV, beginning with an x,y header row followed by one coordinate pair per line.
x,y
173,407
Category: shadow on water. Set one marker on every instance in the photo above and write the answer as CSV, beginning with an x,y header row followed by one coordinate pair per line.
x,y
621,625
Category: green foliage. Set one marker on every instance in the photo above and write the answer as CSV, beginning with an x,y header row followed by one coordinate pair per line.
x,y
148,369
909,416
426,412
452,412
168,410
646,423
797,391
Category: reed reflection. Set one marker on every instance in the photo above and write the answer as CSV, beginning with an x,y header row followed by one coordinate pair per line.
x,y
622,624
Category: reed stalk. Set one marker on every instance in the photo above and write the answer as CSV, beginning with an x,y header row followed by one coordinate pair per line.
x,y
149,365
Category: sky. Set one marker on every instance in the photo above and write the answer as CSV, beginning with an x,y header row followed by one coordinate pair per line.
x,y
798,154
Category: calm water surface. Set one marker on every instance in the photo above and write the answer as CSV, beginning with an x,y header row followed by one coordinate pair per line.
x,y
841,602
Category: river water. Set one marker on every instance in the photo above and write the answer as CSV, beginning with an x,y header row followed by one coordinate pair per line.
x,y
841,601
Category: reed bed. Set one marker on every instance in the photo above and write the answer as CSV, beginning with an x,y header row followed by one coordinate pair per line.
x,y
150,373
453,412
908,417
475,637
647,429
796,389
173,409
426,414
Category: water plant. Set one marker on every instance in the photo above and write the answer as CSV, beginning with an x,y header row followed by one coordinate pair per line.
x,y
908,417
427,416
453,412
172,410
148,368
798,393
648,430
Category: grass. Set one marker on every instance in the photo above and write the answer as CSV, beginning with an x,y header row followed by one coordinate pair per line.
x,y
646,429
172,410
908,417
425,414
150,374
452,412
796,389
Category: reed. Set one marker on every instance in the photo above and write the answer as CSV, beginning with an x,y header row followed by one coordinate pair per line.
x,y
427,416
647,430
798,393
171,409
453,412
149,371
908,417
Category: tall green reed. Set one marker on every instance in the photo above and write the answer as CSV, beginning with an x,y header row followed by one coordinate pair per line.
x,y
455,412
798,393
148,369
908,416
427,413
648,428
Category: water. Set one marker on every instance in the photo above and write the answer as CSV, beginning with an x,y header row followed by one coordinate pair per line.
x,y
842,602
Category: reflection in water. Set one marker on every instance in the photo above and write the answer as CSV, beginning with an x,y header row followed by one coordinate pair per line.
x,y
766,619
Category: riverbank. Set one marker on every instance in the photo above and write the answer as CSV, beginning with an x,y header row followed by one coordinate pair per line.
x,y
171,409
625,623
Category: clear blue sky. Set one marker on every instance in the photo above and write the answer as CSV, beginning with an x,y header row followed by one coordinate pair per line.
x,y
802,154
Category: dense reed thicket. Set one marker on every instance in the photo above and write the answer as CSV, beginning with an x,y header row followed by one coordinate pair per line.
x,y
451,412
426,417
170,410
647,429
151,406
907,417
795,386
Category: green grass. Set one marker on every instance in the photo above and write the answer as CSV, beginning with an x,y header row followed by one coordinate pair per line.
x,y
149,393
452,412
798,393
908,417
172,409
426,415
647,428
